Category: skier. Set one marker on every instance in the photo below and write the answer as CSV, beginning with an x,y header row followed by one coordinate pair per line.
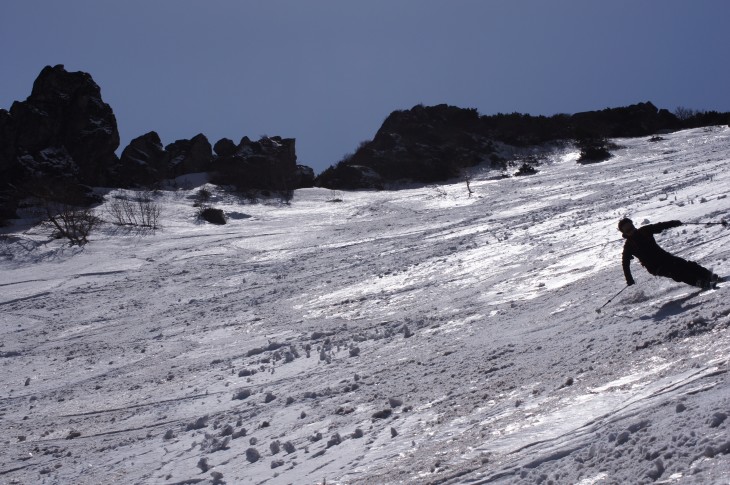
x,y
640,243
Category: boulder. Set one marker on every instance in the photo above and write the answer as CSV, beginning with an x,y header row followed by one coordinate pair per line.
x,y
144,161
189,156
224,147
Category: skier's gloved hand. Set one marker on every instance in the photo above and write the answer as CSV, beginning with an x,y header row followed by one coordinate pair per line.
x,y
630,282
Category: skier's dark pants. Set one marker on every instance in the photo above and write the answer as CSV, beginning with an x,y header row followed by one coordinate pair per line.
x,y
683,271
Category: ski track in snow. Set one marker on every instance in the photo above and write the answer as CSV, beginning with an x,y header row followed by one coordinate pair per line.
x,y
412,336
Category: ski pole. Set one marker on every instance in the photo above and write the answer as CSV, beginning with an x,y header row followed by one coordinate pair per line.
x,y
598,310
721,223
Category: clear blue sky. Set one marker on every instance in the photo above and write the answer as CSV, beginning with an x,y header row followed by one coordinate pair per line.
x,y
328,72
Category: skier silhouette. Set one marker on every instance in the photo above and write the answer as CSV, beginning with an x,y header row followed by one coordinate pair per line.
x,y
640,243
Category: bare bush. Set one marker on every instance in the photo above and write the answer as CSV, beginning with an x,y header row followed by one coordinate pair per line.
x,y
72,223
66,207
467,176
334,196
139,210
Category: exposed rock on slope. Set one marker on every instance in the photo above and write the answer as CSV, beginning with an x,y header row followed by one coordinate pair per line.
x,y
65,111
64,136
434,143
269,163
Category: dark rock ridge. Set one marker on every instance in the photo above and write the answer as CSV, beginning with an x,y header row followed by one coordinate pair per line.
x,y
424,144
66,115
433,144
143,162
63,134
63,137
266,165
269,163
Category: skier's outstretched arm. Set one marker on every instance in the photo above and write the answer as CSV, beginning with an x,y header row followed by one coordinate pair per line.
x,y
660,226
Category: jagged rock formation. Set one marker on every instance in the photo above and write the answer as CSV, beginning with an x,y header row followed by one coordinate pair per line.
x,y
432,144
189,156
269,163
65,112
424,144
64,137
62,134
143,161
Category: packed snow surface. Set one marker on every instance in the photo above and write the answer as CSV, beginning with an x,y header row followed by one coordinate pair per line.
x,y
416,336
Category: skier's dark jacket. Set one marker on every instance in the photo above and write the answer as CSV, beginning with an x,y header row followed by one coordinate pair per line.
x,y
641,244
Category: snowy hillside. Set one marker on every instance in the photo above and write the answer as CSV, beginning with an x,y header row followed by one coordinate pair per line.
x,y
417,336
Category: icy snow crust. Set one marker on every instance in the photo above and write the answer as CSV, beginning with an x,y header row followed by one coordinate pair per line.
x,y
415,336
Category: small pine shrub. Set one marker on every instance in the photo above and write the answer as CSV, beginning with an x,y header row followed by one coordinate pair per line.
x,y
526,169
213,215
593,149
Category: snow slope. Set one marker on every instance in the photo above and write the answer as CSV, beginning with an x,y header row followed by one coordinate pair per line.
x,y
417,336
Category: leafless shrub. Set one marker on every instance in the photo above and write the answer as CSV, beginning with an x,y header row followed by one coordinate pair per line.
x,y
66,208
72,223
467,176
139,210
439,192
334,196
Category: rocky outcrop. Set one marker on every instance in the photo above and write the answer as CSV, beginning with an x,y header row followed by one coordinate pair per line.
x,y
225,147
267,164
303,177
423,144
642,119
65,112
189,156
63,134
432,144
143,162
